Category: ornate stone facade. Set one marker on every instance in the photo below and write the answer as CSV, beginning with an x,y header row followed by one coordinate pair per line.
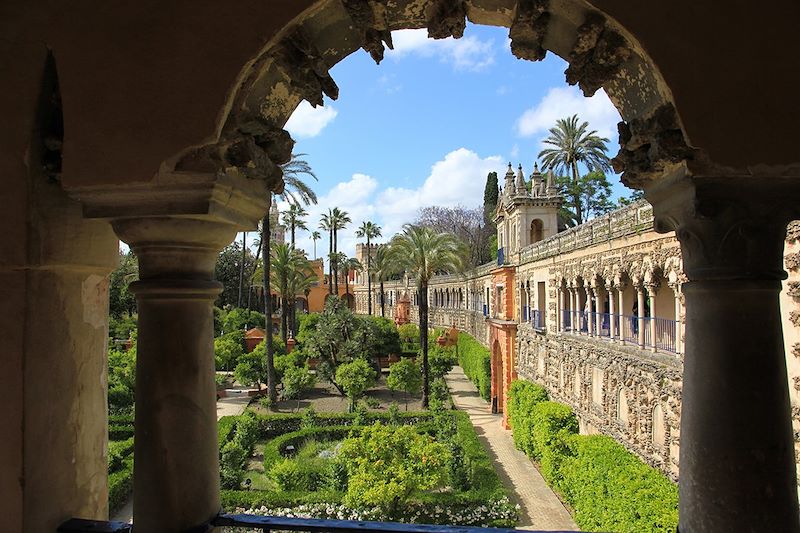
x,y
623,380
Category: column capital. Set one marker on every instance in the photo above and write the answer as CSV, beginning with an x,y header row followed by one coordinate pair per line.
x,y
222,197
729,228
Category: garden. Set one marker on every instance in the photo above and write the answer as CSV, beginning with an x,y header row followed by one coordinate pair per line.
x,y
426,467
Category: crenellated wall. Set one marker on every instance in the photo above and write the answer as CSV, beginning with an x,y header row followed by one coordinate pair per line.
x,y
621,376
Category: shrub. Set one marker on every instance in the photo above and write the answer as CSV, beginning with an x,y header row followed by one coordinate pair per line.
x,y
612,490
225,427
409,334
228,349
247,431
523,396
385,464
120,485
355,378
296,381
232,462
404,375
476,362
441,360
118,451
294,475
380,336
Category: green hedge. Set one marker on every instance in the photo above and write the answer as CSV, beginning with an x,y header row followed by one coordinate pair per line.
x,y
609,488
117,452
275,449
120,485
476,361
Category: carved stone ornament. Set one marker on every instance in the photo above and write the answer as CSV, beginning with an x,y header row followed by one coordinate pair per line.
x,y
254,149
596,56
793,231
649,146
447,18
305,68
792,261
793,289
528,29
729,228
369,18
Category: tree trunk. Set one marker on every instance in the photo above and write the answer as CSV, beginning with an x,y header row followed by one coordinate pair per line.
x,y
346,288
383,301
423,340
577,197
241,268
330,262
272,386
335,268
292,236
284,319
369,279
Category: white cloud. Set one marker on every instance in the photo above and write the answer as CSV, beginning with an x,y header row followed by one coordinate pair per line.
x,y
458,179
561,102
514,151
468,53
307,121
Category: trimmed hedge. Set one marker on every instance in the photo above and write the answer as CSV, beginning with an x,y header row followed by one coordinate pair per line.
x,y
120,485
609,488
117,452
485,484
476,361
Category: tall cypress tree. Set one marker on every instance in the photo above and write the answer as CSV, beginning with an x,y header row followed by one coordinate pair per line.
x,y
490,195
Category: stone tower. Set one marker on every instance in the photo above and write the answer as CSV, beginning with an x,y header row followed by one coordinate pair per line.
x,y
527,212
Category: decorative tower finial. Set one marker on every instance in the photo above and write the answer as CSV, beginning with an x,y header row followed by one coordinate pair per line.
x,y
509,183
522,189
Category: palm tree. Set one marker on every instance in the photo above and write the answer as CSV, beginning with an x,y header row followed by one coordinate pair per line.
x,y
369,230
315,236
423,253
350,264
383,267
241,269
573,144
339,220
291,274
295,190
327,224
293,218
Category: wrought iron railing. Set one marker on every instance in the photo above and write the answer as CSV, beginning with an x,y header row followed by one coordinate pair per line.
x,y
656,332
277,523
501,257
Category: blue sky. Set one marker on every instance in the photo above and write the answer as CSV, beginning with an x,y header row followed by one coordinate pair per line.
x,y
426,126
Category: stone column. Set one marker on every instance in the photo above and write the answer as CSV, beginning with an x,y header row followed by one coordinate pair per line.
x,y
588,309
652,290
560,309
573,302
177,469
612,324
598,317
737,469
621,295
676,287
640,314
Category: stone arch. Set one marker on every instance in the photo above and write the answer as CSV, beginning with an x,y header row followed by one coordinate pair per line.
x,y
497,376
294,66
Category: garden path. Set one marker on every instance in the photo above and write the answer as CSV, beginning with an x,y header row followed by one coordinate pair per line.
x,y
541,508
231,405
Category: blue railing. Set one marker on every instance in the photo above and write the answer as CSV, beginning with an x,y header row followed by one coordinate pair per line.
x,y
485,310
501,257
278,523
536,319
525,316
658,333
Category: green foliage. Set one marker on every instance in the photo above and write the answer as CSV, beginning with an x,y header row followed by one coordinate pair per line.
x,y
441,360
523,397
228,270
120,485
338,338
309,418
307,324
228,349
409,334
440,394
292,475
117,452
385,475
241,319
380,336
394,414
405,376
475,360
251,368
355,378
121,302
612,490
123,327
225,428
121,379
296,381
491,193
590,193
608,487
232,462
247,431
